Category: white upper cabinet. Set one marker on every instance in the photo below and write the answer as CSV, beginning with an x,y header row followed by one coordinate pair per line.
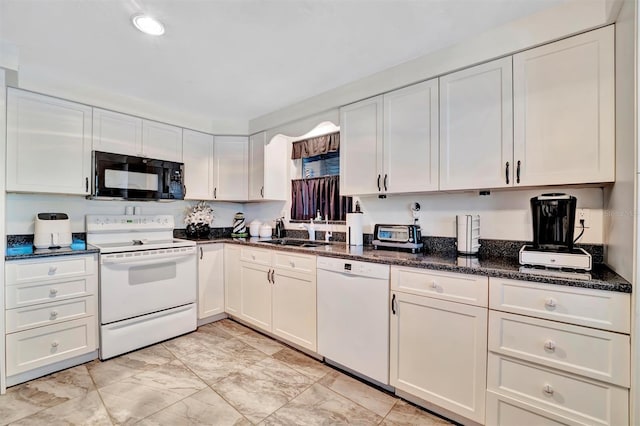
x,y
129,135
476,127
197,154
48,144
269,166
389,144
162,141
230,168
564,116
116,132
256,166
411,139
361,147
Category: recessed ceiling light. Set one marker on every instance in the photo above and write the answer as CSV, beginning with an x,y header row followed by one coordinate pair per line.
x,y
147,24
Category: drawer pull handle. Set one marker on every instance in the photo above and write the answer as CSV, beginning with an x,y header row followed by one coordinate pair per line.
x,y
550,303
550,345
53,291
253,257
293,264
434,285
54,314
54,344
547,389
52,270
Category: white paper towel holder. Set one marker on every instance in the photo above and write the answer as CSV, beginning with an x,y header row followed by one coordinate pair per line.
x,y
354,229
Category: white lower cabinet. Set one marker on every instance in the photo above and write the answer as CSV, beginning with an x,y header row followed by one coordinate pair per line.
x,y
546,367
210,280
232,279
276,292
51,314
438,347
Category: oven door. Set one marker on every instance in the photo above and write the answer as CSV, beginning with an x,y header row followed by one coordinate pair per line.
x,y
136,178
141,282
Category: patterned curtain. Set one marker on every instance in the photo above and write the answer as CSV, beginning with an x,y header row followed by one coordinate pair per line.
x,y
316,146
323,193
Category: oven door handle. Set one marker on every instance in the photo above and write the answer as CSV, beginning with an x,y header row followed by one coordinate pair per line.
x,y
142,260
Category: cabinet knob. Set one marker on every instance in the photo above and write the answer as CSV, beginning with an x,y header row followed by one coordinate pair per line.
x,y
434,285
292,263
54,344
253,257
53,291
548,390
52,270
54,314
550,345
550,302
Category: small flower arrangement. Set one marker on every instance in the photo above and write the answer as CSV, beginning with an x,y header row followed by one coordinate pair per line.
x,y
198,218
199,214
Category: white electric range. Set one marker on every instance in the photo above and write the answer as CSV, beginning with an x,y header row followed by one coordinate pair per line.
x,y
148,281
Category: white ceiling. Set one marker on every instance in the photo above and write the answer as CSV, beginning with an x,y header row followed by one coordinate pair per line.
x,y
235,59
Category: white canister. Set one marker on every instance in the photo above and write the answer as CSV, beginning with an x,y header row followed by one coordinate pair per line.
x,y
254,228
265,231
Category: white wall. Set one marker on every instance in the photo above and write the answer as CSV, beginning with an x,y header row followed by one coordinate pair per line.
x,y
22,208
619,199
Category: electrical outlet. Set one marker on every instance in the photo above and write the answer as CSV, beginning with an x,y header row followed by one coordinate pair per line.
x,y
583,214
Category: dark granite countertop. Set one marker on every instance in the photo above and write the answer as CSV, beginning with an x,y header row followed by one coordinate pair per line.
x,y
601,277
30,252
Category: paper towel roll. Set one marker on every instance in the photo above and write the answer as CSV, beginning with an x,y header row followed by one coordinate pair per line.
x,y
354,229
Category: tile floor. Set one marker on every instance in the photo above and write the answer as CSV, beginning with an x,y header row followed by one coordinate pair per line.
x,y
222,374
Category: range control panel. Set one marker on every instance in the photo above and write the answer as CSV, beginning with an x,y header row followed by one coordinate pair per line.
x,y
115,223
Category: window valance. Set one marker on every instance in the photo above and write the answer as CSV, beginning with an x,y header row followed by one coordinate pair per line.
x,y
315,146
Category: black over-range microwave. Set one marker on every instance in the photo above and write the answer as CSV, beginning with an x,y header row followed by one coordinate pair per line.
x,y
136,178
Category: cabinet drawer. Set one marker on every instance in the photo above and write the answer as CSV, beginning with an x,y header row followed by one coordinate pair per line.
x,y
45,345
49,313
462,288
258,256
608,310
503,411
572,396
22,295
295,262
562,346
53,268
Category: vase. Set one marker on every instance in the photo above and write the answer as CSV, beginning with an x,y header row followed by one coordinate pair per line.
x,y
191,231
203,230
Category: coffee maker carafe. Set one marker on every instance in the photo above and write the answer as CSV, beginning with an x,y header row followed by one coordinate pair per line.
x,y
553,221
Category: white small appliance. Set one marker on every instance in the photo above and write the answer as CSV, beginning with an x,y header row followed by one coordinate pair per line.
x,y
354,229
468,234
52,230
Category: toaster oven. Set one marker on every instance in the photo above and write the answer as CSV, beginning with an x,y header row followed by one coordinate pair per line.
x,y
404,237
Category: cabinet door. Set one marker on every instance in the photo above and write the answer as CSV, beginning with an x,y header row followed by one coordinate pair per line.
x,y
48,144
162,141
411,138
361,147
256,166
210,280
197,154
476,127
230,182
232,279
255,294
294,307
116,132
277,164
564,111
439,353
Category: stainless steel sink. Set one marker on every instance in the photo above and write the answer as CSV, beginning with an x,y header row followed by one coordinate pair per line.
x,y
295,243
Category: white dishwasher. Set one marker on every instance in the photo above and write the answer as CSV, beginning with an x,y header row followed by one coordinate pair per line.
x,y
353,316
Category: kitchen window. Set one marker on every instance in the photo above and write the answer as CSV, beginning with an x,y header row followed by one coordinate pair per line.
x,y
319,188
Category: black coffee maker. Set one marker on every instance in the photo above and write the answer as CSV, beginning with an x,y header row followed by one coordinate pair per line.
x,y
554,218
